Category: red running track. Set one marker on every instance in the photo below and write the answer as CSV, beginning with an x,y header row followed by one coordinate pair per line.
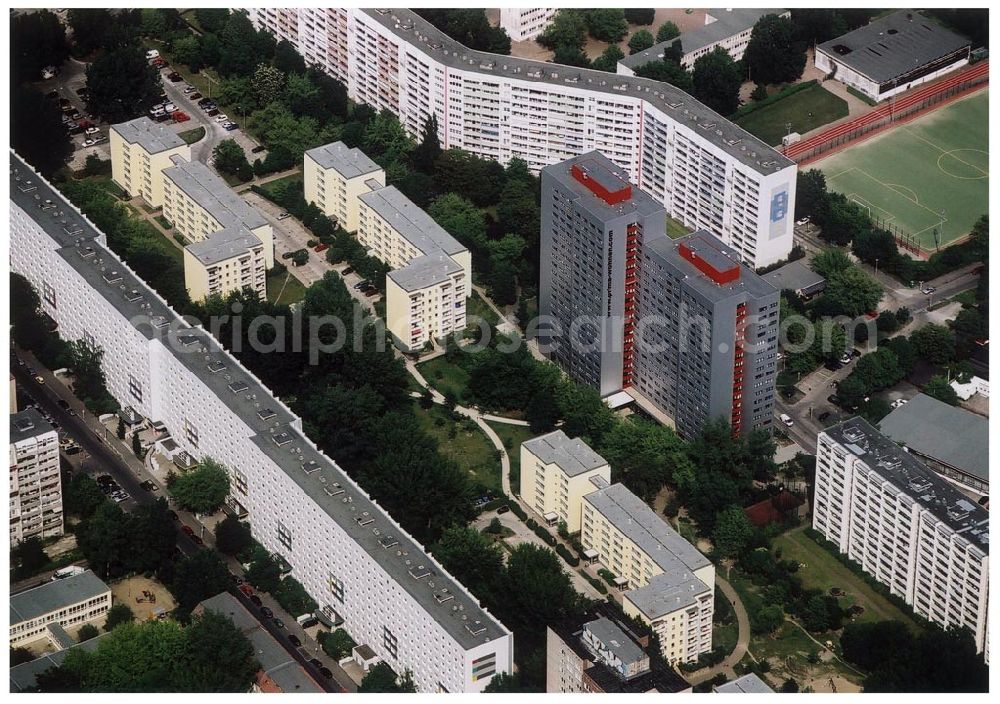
x,y
908,100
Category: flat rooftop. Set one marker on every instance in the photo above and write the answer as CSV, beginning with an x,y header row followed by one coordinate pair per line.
x,y
747,684
668,592
594,162
154,137
728,22
325,483
615,639
231,241
572,455
208,190
893,46
666,252
416,226
349,162
28,423
950,435
428,270
733,140
25,676
795,276
633,517
913,478
55,595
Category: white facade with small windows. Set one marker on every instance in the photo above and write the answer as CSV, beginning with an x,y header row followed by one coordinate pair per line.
x,y
36,509
349,554
522,23
708,173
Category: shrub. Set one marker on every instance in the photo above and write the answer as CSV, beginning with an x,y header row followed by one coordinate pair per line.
x,y
293,597
565,554
608,575
518,511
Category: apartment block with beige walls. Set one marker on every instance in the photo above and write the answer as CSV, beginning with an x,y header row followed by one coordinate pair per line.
x,y
555,474
669,583
140,150
199,203
425,299
228,260
334,176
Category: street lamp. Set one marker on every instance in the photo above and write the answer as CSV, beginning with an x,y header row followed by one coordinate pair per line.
x,y
876,267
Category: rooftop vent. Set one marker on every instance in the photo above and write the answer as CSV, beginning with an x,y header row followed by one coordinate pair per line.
x,y
365,519
266,414
86,252
335,489
238,387
388,541
443,596
132,295
475,627
310,466
216,366
281,439
113,276
419,572
159,322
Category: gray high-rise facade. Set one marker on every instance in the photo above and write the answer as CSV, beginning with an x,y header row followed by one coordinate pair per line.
x,y
681,323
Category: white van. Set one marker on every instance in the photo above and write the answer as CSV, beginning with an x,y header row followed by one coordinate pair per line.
x,y
786,419
65,572
152,54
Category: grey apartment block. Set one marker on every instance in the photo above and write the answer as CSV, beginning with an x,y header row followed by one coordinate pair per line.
x,y
704,338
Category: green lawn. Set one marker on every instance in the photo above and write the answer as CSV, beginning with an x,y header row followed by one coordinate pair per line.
x,y
806,110
512,436
271,187
164,223
284,288
823,571
463,442
168,246
445,376
476,306
676,229
192,136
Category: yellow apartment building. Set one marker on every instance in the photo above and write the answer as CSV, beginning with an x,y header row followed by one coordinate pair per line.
x,y
140,150
334,176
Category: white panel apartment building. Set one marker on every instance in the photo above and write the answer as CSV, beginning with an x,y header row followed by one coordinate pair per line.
x,y
905,525
36,508
709,173
522,23
348,553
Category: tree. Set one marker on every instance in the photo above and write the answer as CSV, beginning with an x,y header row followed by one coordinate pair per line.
x,y
267,83
381,678
874,410
773,55
242,49
607,24
567,28
851,392
429,148
759,92
202,489
37,40
852,292
830,262
86,362
767,619
287,59
939,388
232,536
212,19
86,632
90,28
29,554
935,343
153,536
640,16
385,139
197,577
231,159
789,686
479,180
19,656
810,194
608,60
733,531
668,71
869,645
473,559
332,93
104,539
122,85
506,683
217,657
117,615
264,572
667,31
717,81
463,220
542,412
570,56
338,644
36,130
136,445
640,41
537,590
82,496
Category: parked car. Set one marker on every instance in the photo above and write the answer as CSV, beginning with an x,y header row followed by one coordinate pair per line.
x,y
247,589
372,292
803,221
73,450
188,89
288,255
152,54
315,662
294,640
91,130
204,101
197,540
823,416
149,486
49,72
159,63
76,115
928,290
174,77
222,118
89,143
63,403
173,515
230,126
180,116
503,509
188,530
267,612
213,112
325,671
255,600
258,149
786,419
282,215
321,247
361,284
846,358
279,623
898,402
169,107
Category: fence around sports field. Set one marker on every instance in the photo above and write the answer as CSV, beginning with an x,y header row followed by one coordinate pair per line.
x,y
897,110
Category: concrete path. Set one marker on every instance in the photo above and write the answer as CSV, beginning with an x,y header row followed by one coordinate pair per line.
x,y
502,419
258,180
742,642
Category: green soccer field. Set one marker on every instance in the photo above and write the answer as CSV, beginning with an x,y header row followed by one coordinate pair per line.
x,y
925,175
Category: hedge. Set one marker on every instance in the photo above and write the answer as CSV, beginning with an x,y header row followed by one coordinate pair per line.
x,y
565,554
771,99
293,598
518,511
608,576
545,535
595,583
861,96
495,504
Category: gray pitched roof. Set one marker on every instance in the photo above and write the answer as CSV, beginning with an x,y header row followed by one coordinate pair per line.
x,y
213,194
223,244
747,684
728,22
55,595
615,639
795,276
633,517
893,46
425,271
25,675
152,136
572,455
348,162
411,221
949,435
